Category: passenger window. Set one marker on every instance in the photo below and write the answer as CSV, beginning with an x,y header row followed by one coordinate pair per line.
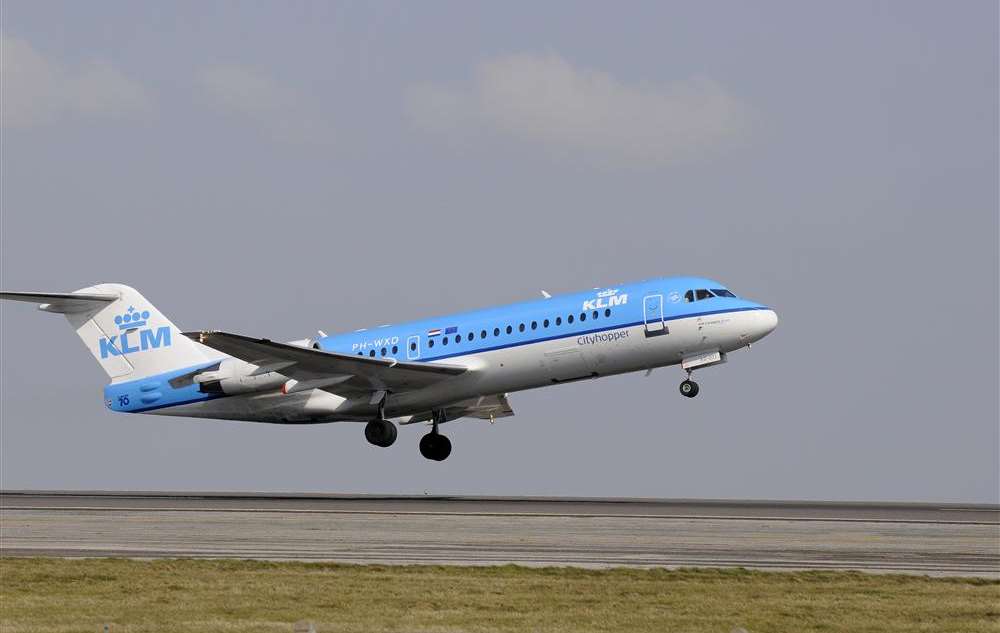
x,y
607,312
569,319
545,323
383,351
496,331
372,353
558,320
430,343
395,349
689,296
595,314
701,293
413,347
520,328
482,334
583,316
509,329
444,341
534,325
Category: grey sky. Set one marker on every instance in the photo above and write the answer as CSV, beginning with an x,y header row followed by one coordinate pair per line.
x,y
276,168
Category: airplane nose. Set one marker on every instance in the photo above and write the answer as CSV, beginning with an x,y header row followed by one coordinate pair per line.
x,y
767,320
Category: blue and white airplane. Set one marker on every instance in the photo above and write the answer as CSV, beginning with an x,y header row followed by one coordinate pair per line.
x,y
432,371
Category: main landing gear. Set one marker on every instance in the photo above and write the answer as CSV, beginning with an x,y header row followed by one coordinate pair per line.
x,y
435,446
380,432
689,388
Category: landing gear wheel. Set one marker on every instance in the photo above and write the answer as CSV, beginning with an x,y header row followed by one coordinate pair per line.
x,y
443,449
435,446
380,433
689,388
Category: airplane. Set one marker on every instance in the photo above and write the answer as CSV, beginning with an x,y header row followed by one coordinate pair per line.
x,y
431,371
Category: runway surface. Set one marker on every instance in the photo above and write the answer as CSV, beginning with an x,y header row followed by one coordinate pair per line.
x,y
937,539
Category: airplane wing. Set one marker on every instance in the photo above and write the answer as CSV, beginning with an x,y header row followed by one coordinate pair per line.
x,y
343,374
483,407
61,302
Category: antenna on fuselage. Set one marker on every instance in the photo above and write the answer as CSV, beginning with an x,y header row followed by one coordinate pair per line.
x,y
546,295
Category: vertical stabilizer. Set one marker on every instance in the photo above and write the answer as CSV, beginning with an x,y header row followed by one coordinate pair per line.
x,y
127,335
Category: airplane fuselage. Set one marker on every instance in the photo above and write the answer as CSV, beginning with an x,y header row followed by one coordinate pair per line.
x,y
602,332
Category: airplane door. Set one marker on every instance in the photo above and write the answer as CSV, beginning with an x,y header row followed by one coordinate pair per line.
x,y
568,364
652,315
413,348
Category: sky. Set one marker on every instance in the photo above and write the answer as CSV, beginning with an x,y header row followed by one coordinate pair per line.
x,y
278,168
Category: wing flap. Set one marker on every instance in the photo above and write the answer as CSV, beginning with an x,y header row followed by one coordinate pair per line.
x,y
306,364
482,407
490,407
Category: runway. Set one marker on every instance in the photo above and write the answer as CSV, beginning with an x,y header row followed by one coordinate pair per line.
x,y
936,539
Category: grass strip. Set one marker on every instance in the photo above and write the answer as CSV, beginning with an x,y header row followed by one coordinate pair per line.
x,y
70,595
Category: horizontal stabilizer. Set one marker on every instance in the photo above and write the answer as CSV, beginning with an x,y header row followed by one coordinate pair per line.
x,y
62,302
482,407
363,374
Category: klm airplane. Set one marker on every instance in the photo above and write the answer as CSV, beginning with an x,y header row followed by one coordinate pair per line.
x,y
431,371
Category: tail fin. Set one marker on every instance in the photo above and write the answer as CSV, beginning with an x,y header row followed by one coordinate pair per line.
x,y
128,336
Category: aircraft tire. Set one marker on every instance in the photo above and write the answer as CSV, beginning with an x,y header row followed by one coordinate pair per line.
x,y
443,448
427,445
689,388
435,447
380,433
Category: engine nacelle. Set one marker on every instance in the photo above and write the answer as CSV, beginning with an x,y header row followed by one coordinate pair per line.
x,y
235,377
305,342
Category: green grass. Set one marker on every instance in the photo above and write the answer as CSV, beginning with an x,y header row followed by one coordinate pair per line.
x,y
56,595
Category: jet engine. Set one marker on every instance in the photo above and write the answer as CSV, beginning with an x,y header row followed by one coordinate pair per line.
x,y
235,377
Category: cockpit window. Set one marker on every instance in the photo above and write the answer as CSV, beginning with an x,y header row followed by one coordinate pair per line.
x,y
704,293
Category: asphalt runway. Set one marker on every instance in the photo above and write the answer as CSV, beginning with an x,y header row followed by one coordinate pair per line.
x,y
934,539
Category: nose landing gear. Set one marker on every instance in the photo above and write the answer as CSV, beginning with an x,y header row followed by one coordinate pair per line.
x,y
435,446
689,388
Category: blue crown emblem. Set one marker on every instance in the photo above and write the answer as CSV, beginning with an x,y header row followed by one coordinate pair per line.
x,y
131,319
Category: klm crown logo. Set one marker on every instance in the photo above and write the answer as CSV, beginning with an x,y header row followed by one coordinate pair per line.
x,y
129,324
131,319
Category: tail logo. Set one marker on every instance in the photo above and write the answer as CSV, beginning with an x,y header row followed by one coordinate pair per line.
x,y
131,319
129,325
